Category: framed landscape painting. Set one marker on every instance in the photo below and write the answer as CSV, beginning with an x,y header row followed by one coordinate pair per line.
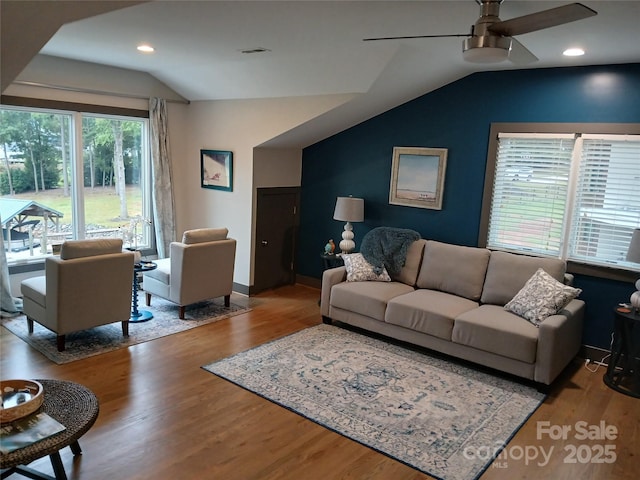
x,y
216,169
417,177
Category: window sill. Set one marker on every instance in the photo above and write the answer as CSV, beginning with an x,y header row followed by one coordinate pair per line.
x,y
610,273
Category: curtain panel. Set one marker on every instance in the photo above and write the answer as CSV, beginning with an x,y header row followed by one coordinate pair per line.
x,y
163,200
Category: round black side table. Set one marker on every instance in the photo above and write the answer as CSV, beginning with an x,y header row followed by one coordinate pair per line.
x,y
331,261
623,372
138,315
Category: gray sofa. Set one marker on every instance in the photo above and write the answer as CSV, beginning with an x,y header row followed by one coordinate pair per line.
x,y
451,299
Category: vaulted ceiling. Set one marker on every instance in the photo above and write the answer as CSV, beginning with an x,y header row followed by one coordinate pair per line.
x,y
309,47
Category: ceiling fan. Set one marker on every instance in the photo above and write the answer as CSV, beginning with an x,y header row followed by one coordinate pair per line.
x,y
491,39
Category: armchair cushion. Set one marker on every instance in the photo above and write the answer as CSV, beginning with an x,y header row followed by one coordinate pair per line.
x,y
88,248
162,272
200,235
36,289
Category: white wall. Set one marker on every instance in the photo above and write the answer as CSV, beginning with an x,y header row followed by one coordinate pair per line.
x,y
240,126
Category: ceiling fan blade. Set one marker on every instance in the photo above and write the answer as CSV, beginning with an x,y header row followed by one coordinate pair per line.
x,y
541,20
415,36
519,54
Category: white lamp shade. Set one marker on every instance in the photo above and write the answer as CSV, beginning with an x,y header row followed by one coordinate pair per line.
x,y
349,209
633,254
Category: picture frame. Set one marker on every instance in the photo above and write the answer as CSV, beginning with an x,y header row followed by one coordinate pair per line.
x,y
216,169
417,177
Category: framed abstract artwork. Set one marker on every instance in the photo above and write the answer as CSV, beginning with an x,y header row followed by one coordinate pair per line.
x,y
216,169
417,177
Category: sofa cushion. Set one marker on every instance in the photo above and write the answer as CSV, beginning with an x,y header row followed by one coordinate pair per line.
x,y
366,298
88,248
454,269
508,272
541,297
409,273
427,311
200,235
492,329
359,270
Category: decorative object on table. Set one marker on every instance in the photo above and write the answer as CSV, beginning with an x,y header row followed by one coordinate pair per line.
x,y
19,399
28,430
130,234
633,255
417,177
330,247
216,169
107,338
437,416
88,285
70,405
348,209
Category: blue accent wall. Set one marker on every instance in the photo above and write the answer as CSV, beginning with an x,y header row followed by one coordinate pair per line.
x,y
458,117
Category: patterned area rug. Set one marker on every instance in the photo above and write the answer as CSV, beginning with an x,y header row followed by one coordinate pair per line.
x,y
107,338
428,413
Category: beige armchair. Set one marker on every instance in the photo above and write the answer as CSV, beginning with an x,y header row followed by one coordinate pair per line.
x,y
198,268
87,286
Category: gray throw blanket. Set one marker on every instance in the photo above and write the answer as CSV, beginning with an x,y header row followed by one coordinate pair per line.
x,y
387,247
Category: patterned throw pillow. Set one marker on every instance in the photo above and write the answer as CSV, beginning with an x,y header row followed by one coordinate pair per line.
x,y
359,270
541,297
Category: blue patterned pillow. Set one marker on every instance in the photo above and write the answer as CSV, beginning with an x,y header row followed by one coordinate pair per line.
x,y
359,270
541,297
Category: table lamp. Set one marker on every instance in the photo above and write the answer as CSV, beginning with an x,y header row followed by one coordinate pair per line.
x,y
633,255
348,209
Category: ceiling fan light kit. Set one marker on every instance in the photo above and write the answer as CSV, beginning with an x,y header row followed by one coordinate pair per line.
x,y
486,49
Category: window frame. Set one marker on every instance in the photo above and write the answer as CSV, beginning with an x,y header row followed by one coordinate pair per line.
x,y
613,273
76,112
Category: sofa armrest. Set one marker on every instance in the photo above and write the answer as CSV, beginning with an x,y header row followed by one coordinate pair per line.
x,y
330,277
559,340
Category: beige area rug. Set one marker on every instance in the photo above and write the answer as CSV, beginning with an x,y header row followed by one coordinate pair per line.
x,y
107,338
436,416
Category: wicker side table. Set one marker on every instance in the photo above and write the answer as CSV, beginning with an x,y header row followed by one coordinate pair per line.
x,y
75,407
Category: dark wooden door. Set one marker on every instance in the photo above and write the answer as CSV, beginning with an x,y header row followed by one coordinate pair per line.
x,y
276,232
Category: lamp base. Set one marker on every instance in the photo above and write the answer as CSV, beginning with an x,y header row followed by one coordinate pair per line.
x,y
347,244
635,301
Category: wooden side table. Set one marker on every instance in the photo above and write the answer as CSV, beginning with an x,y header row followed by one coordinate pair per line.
x,y
623,372
75,407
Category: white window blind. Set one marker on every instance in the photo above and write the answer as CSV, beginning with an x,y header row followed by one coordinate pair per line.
x,y
530,192
607,200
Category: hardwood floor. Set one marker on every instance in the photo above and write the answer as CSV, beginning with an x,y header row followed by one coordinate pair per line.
x,y
163,417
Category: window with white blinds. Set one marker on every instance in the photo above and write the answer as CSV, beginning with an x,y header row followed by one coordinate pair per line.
x,y
607,205
570,196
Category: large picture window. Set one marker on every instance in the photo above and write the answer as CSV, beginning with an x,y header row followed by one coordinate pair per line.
x,y
72,175
570,195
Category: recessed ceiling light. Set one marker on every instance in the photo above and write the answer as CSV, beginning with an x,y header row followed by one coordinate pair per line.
x,y
145,48
573,52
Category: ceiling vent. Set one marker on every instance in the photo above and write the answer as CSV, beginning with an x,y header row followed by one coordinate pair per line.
x,y
254,50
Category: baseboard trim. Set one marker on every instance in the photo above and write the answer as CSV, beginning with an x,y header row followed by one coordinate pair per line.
x,y
309,281
595,354
239,288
